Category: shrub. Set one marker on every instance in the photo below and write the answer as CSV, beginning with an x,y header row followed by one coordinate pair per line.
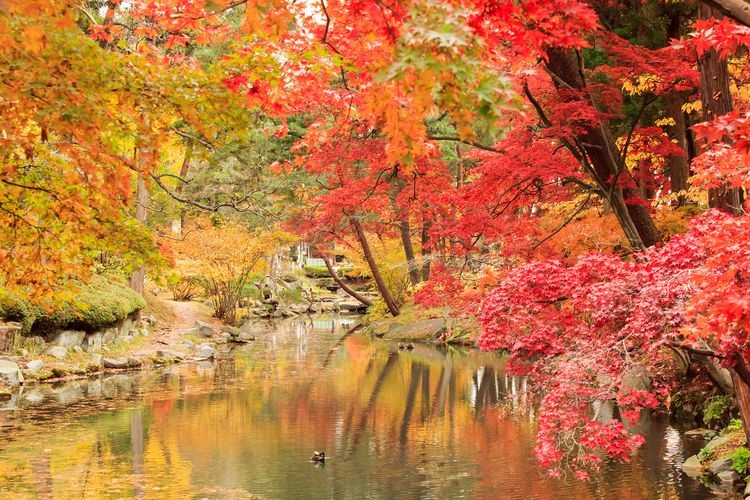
x,y
717,411
183,287
740,460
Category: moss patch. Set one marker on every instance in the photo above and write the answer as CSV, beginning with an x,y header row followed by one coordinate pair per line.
x,y
88,307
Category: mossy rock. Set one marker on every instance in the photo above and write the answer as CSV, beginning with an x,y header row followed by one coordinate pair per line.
x,y
95,305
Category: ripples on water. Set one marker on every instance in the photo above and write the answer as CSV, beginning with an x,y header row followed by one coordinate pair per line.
x,y
435,422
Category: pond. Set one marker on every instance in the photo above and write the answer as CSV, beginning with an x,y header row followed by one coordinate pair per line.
x,y
433,422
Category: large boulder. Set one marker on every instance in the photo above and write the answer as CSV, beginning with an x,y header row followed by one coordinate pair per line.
x,y
429,329
10,373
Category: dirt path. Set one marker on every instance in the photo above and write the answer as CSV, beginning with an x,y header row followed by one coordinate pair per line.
x,y
169,332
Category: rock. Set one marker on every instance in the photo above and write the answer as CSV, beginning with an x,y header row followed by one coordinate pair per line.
x,y
692,466
35,345
720,465
420,330
97,359
701,433
203,329
10,374
226,335
231,330
187,343
299,309
747,490
243,338
115,363
134,363
77,349
728,476
35,365
206,351
8,334
58,351
169,355
715,443
92,342
150,320
69,338
126,339
353,307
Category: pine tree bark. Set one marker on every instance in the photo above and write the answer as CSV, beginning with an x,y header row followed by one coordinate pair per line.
x,y
390,302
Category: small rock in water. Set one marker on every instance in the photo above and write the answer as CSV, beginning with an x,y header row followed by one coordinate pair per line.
x,y
692,466
35,365
206,351
701,433
58,351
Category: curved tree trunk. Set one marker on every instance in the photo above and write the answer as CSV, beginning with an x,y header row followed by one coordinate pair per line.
x,y
364,300
596,150
390,302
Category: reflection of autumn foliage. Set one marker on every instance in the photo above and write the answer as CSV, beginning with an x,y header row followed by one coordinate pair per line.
x,y
223,256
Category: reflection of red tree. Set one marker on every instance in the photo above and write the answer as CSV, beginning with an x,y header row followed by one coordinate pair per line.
x,y
162,408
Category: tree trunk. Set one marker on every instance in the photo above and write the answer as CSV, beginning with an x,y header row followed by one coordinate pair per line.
x,y
717,100
178,224
138,277
740,377
364,300
402,220
411,261
739,10
426,254
599,155
678,166
390,302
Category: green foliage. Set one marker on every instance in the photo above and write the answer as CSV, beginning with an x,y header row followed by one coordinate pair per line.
x,y
718,410
740,460
89,306
735,425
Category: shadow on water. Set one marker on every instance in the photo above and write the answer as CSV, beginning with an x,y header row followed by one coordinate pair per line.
x,y
435,422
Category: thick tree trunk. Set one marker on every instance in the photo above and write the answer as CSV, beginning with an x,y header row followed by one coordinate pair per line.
x,y
599,155
364,300
138,278
739,10
741,377
717,100
390,302
678,166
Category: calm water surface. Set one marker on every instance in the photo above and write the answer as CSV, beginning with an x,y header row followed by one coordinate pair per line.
x,y
429,423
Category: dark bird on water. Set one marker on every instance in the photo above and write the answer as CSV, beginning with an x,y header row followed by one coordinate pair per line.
x,y
318,456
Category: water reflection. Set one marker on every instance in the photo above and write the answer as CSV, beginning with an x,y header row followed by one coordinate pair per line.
x,y
426,423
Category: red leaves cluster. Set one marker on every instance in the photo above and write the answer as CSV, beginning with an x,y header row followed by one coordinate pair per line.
x,y
589,328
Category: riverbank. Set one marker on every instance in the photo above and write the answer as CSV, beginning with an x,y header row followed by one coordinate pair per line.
x,y
167,332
